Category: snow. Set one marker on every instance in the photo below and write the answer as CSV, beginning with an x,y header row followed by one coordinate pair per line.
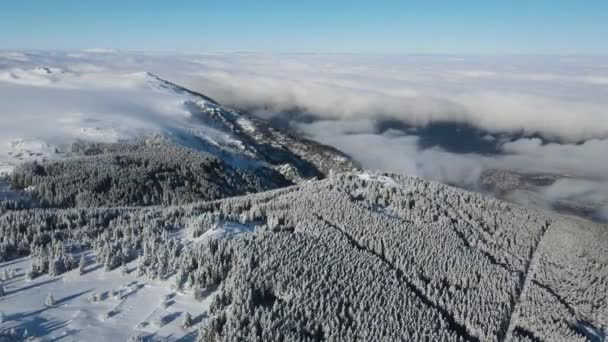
x,y
128,306
247,125
386,180
226,230
50,108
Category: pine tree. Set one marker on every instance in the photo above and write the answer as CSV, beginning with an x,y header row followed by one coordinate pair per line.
x,y
31,272
140,269
81,266
53,267
50,301
108,263
187,323
2,293
124,270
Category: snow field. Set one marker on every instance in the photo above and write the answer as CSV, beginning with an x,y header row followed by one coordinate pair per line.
x,y
98,306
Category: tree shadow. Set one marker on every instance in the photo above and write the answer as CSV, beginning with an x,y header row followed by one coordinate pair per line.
x,y
17,278
189,337
67,334
200,318
209,290
93,269
25,288
12,262
21,315
39,327
170,318
137,288
69,298
154,338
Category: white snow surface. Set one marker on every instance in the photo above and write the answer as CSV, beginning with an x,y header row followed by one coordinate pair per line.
x,y
129,306
226,230
374,177
45,109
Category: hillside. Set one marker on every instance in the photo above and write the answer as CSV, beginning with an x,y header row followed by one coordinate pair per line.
x,y
144,109
162,144
356,256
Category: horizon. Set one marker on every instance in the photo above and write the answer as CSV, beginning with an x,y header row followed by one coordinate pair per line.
x,y
356,27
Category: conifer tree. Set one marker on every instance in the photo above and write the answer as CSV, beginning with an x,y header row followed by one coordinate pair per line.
x,y
49,301
82,266
187,323
31,272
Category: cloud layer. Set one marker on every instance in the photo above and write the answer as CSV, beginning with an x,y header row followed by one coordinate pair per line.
x,y
534,114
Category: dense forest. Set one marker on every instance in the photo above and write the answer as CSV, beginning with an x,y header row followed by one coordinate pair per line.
x,y
139,174
355,256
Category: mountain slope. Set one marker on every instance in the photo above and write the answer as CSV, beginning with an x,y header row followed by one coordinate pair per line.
x,y
355,256
200,150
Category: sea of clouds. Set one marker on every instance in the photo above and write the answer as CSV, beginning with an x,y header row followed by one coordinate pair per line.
x,y
539,113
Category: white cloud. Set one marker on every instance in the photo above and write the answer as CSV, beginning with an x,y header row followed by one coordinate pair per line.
x,y
100,50
560,98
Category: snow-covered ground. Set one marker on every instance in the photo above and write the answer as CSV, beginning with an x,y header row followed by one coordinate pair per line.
x,y
50,108
226,230
374,177
98,306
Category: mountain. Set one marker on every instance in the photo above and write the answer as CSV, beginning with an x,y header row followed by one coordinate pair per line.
x,y
356,256
152,212
207,152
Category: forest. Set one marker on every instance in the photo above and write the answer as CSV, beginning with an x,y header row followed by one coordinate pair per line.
x,y
355,256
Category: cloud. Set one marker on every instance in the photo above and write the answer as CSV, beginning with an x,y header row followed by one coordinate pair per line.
x,y
100,50
557,99
14,56
392,112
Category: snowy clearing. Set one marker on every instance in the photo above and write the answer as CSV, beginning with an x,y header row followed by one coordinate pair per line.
x,y
372,177
226,230
98,306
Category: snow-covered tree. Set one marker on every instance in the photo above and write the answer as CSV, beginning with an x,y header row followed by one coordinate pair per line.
x,y
2,317
49,301
31,272
124,270
54,267
108,264
2,292
140,266
82,266
187,322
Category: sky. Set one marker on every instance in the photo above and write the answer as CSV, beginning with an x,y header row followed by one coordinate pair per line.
x,y
353,26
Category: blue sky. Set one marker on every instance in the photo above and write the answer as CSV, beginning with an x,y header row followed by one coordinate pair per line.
x,y
432,26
